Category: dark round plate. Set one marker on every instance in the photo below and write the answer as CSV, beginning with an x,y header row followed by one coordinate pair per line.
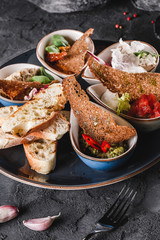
x,y
70,172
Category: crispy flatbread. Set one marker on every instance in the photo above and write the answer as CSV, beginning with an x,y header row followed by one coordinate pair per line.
x,y
18,89
96,122
121,82
76,57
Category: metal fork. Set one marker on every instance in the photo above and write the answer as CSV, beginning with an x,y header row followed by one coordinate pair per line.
x,y
116,213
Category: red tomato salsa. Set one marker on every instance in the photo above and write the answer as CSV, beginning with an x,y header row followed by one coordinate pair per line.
x,y
147,106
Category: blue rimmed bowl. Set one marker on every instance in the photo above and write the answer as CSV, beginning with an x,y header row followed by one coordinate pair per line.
x,y
8,70
103,164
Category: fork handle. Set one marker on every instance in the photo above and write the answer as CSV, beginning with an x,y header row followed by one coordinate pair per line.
x,y
99,228
103,227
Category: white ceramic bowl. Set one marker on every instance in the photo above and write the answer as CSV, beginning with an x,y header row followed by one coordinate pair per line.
x,y
71,36
143,124
8,70
105,55
104,164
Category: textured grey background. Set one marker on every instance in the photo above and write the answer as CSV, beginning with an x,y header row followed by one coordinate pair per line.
x,y
22,25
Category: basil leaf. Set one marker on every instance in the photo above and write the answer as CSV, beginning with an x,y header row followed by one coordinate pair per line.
x,y
41,79
59,40
44,73
141,54
52,48
136,54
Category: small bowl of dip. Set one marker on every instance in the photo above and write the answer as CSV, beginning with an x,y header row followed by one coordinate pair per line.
x,y
108,100
116,158
71,36
129,56
20,72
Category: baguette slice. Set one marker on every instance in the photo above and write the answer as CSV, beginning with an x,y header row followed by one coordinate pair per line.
x,y
36,114
55,131
5,112
8,140
41,155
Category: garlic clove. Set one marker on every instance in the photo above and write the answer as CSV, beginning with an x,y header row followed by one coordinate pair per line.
x,y
7,213
40,224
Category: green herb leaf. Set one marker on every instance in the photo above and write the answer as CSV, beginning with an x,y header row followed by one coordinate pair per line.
x,y
52,49
142,53
41,79
59,40
44,73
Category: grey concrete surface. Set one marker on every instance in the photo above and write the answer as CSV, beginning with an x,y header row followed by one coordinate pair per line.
x,y
22,25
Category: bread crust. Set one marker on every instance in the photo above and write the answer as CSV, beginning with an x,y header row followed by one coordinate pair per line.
x,y
43,167
36,114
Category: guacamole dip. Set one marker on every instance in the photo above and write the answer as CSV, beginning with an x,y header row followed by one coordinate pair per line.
x,y
114,151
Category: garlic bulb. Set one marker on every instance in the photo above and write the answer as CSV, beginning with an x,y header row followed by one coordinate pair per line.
x,y
7,213
40,224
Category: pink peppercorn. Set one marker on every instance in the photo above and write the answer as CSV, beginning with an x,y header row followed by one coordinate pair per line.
x,y
152,21
124,13
134,15
117,26
128,18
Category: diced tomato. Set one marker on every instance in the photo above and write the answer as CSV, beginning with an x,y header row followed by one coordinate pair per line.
x,y
52,57
152,99
146,106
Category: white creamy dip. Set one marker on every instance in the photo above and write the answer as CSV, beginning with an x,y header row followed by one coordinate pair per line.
x,y
110,99
124,58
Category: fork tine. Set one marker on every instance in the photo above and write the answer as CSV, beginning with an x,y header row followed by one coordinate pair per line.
x,y
119,203
111,209
114,204
124,211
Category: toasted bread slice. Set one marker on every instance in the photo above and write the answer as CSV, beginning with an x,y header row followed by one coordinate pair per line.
x,y
75,59
5,112
17,90
8,140
38,113
41,155
55,131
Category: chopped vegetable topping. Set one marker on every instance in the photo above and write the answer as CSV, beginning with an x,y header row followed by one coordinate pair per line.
x,y
105,151
58,49
92,142
123,103
32,93
143,53
105,146
146,106
52,57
